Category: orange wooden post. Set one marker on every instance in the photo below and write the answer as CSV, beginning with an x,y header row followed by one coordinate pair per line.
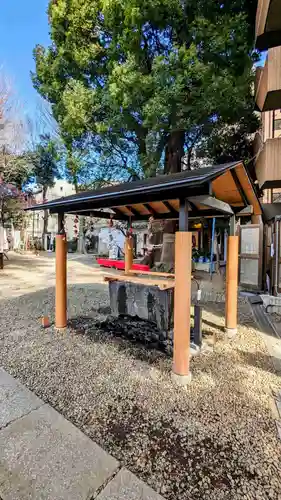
x,y
231,286
128,254
183,251
61,294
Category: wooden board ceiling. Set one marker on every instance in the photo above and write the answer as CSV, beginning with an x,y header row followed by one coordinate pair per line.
x,y
225,189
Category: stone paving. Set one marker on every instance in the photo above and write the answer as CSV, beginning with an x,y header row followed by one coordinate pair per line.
x,y
44,456
267,315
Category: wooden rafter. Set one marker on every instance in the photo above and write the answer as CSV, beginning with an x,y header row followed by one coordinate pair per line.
x,y
151,209
170,208
133,211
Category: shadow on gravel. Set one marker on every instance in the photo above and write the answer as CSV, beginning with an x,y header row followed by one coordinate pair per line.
x,y
138,338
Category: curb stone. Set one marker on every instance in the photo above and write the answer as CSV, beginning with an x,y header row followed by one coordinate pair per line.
x,y
276,411
278,427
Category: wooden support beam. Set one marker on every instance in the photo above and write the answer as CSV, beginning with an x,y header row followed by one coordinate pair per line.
x,y
183,215
128,254
118,215
193,207
232,226
158,193
231,286
212,202
165,216
153,273
162,284
61,289
61,229
183,251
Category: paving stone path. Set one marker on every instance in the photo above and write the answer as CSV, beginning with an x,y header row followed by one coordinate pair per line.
x,y
44,456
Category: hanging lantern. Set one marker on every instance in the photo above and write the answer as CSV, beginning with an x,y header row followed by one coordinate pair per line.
x,y
76,220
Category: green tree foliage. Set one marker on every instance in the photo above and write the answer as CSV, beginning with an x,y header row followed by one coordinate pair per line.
x,y
11,209
14,168
223,142
45,161
154,76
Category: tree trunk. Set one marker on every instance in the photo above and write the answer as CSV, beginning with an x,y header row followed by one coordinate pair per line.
x,y
81,247
45,218
75,183
174,151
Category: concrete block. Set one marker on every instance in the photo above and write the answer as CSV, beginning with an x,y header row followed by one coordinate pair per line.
x,y
15,400
181,380
273,303
44,457
278,395
126,486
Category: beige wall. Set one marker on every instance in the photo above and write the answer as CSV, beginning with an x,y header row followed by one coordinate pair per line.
x,y
267,125
271,129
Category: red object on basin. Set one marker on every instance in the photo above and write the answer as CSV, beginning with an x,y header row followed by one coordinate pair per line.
x,y
120,264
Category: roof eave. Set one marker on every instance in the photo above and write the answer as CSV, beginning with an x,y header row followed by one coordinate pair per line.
x,y
56,206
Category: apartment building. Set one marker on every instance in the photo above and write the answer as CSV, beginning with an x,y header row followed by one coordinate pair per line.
x,y
35,224
268,100
267,144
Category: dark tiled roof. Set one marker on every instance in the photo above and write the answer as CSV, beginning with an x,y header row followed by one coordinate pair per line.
x,y
152,189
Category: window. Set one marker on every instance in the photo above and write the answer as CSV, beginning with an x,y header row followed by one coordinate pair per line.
x,y
276,196
277,124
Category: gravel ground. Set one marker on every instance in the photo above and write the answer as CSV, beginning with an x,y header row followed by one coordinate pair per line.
x,y
214,440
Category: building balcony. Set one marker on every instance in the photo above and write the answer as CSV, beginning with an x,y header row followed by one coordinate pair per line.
x,y
268,24
268,82
268,164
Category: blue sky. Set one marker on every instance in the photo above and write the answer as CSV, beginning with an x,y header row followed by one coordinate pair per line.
x,y
23,24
